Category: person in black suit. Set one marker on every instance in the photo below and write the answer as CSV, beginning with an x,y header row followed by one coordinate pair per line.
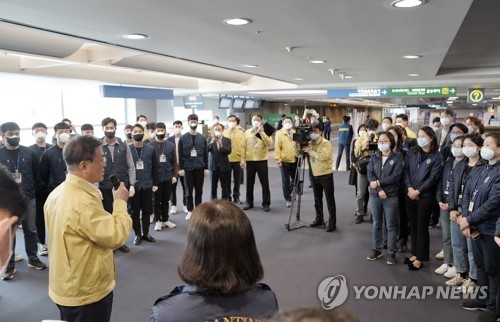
x,y
220,148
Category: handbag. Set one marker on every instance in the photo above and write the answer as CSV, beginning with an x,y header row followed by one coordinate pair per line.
x,y
353,176
363,165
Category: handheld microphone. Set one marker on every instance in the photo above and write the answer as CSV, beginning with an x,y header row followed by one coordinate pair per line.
x,y
114,181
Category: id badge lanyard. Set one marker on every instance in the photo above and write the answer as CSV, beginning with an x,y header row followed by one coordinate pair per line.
x,y
17,175
139,164
482,180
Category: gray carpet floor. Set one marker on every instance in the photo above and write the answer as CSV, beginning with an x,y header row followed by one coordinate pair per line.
x,y
295,263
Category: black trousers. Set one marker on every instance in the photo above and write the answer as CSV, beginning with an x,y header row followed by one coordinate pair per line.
x,y
403,218
40,199
99,311
161,198
325,184
236,171
259,168
142,200
419,212
194,179
174,191
107,200
327,135
225,183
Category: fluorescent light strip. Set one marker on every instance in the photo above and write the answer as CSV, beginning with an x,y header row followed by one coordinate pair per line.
x,y
296,92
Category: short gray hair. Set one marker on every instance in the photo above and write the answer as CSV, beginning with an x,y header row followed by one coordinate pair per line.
x,y
81,148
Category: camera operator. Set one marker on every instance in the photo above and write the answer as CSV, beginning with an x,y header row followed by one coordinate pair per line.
x,y
319,151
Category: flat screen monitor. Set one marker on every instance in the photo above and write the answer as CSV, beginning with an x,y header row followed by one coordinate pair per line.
x,y
251,104
225,102
238,103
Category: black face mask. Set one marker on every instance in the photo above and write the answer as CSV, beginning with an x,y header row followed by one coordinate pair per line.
x,y
13,141
138,137
193,127
129,136
109,135
160,136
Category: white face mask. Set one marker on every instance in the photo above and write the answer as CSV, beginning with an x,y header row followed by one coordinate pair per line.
x,y
231,125
470,152
152,136
383,147
143,123
287,126
64,138
217,134
6,240
362,133
385,126
445,121
457,152
256,124
470,129
40,136
487,153
314,136
178,130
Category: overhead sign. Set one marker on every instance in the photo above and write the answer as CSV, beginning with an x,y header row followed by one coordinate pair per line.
x,y
392,92
193,101
475,96
136,92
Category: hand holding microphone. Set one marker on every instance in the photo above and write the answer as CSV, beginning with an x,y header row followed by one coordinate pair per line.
x,y
119,190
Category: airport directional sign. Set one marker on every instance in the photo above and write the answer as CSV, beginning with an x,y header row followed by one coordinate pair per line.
x,y
392,92
475,96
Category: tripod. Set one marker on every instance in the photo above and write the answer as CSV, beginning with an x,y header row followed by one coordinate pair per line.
x,y
297,192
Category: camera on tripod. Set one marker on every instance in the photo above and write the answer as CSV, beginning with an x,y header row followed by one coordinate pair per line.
x,y
302,135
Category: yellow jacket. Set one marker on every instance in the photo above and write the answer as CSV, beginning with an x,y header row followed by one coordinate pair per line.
x,y
237,136
410,133
358,146
82,239
321,157
284,148
253,148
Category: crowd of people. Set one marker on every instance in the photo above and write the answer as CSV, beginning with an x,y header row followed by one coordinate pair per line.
x,y
448,173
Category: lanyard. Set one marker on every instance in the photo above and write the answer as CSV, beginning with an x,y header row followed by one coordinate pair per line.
x,y
137,153
16,164
481,178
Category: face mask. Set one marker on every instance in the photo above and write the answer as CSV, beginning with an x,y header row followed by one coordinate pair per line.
x,y
470,129
6,239
362,133
231,125
422,142
453,136
385,126
128,135
457,152
287,126
445,121
138,137
400,124
160,136
314,136
152,136
13,141
217,134
469,151
109,134
143,123
178,130
256,124
487,153
193,126
40,136
383,147
64,138
371,132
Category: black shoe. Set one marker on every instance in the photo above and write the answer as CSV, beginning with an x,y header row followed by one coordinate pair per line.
x,y
403,248
124,249
391,259
148,238
374,255
317,223
331,228
37,264
474,305
433,224
266,208
137,240
412,267
237,201
9,274
384,246
248,206
407,261
359,219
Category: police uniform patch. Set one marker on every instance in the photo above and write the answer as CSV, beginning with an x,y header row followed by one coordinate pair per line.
x,y
392,162
428,161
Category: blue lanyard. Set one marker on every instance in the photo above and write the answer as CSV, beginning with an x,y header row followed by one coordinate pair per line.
x,y
137,153
16,164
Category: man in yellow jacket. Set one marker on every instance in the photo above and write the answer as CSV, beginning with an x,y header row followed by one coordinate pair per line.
x,y
320,157
83,235
285,153
254,157
237,136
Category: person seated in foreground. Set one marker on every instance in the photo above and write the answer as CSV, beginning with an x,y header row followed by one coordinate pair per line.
x,y
312,314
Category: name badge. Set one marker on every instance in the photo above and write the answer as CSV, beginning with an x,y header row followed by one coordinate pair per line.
x,y
471,206
139,165
194,153
18,177
163,158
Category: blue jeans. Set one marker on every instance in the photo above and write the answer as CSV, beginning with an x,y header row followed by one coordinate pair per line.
x,y
444,218
30,234
287,178
387,209
347,148
463,260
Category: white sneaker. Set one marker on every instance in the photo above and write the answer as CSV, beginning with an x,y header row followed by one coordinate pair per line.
x,y
18,257
455,281
173,210
185,208
151,219
188,216
43,250
169,224
441,269
451,272
158,226
440,255
468,286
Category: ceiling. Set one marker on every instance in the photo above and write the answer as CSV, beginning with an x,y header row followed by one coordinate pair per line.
x,y
191,50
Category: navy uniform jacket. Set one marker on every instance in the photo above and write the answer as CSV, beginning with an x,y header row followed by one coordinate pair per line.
x,y
445,181
186,145
219,158
345,133
148,177
481,200
458,180
118,163
52,167
38,150
422,173
168,168
389,175
497,233
187,303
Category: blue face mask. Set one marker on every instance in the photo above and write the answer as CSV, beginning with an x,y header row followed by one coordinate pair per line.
x,y
422,142
453,136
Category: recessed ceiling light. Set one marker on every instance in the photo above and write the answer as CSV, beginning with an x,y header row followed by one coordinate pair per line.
x,y
251,66
496,90
452,98
135,36
449,102
412,56
474,104
407,3
237,21
414,75
496,98
317,61
298,79
348,76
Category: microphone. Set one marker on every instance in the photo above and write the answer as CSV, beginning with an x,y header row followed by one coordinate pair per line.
x,y
372,137
114,181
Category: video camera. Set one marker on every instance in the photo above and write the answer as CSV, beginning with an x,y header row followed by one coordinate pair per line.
x,y
302,135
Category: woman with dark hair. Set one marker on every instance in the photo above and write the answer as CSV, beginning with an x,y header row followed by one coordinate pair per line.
x,y
221,267
385,170
480,213
397,133
408,142
423,168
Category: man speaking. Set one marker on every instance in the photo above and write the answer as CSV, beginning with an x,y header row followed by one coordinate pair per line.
x,y
83,235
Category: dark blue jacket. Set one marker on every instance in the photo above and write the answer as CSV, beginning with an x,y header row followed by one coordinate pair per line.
x,y
187,162
187,303
52,167
219,157
460,175
166,168
389,175
27,166
147,177
497,233
38,150
423,174
115,164
345,133
444,186
483,190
